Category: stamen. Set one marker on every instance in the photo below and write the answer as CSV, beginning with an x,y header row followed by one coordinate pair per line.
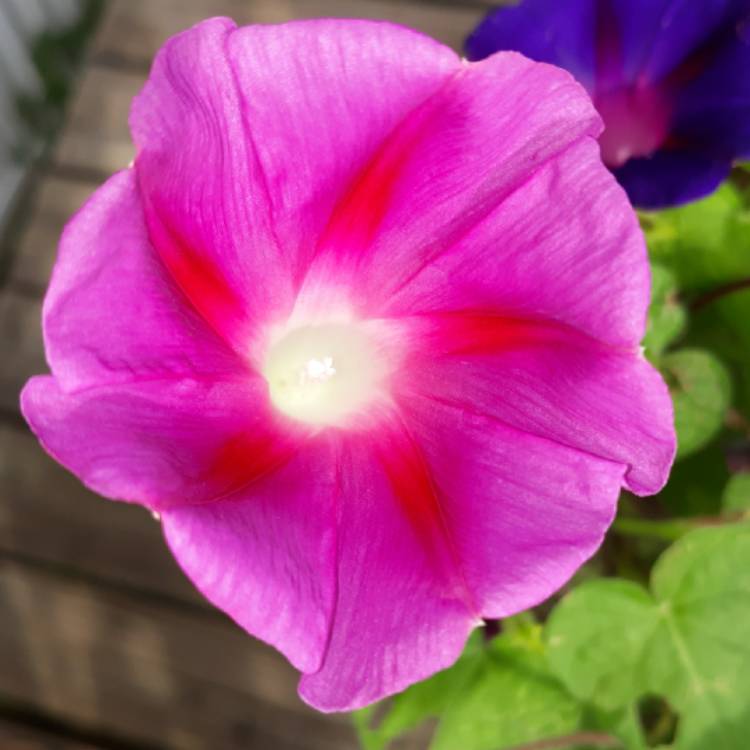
x,y
321,374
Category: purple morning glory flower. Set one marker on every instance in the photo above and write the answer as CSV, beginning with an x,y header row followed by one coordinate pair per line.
x,y
361,323
671,79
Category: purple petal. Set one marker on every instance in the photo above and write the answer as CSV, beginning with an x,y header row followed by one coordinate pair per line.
x,y
112,313
713,106
446,169
267,555
564,246
669,178
401,611
551,31
643,40
523,512
246,140
159,443
555,383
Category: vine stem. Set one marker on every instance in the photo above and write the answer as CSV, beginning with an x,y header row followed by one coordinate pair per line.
x,y
719,292
672,529
593,739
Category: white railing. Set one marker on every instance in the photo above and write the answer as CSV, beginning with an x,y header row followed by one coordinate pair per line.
x,y
21,22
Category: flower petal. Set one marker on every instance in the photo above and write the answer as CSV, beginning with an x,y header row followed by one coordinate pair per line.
x,y
247,139
672,177
560,33
604,42
267,555
112,313
552,382
447,167
565,246
523,512
160,443
656,36
401,612
713,106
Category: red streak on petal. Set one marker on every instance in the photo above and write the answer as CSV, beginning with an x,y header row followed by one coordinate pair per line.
x,y
484,333
360,212
244,458
196,275
356,218
416,494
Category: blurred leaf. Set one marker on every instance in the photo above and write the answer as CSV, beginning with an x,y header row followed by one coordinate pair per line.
x,y
701,391
667,317
695,485
705,244
737,493
513,700
426,699
724,327
611,641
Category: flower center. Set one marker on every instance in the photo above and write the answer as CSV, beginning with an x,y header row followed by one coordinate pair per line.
x,y
636,123
321,374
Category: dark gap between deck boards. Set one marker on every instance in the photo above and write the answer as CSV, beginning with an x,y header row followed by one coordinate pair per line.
x,y
71,573
58,728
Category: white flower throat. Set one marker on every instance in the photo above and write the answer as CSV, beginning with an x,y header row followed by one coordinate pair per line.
x,y
321,374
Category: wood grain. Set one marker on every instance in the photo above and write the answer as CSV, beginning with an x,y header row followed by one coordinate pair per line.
x,y
52,205
133,30
150,672
21,334
15,736
47,515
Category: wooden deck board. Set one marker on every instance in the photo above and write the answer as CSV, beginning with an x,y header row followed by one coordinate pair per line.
x,y
14,736
135,29
56,200
46,514
20,332
150,672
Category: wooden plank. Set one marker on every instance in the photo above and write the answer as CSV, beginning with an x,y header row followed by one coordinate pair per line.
x,y
20,737
134,29
151,673
21,334
55,201
96,136
47,515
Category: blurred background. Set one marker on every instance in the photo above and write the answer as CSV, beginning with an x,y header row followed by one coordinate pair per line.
x,y
103,643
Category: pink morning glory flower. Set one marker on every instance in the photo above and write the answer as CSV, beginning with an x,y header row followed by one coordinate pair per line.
x,y
669,77
361,324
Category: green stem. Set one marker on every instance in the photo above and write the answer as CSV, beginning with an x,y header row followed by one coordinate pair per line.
x,y
667,531
717,294
672,529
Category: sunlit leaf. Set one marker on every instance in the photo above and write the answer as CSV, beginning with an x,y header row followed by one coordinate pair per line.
x,y
706,243
612,641
513,700
701,390
736,496
667,316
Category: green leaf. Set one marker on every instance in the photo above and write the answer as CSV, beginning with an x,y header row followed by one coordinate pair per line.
x,y
667,317
701,392
705,244
736,496
426,699
612,641
513,700
724,327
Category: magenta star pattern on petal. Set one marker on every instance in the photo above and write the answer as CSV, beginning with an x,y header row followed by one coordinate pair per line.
x,y
362,325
